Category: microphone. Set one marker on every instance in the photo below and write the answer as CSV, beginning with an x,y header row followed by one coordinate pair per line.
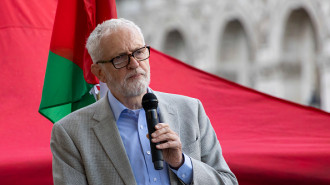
x,y
149,104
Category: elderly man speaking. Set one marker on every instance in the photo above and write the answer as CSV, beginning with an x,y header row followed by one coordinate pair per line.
x,y
107,143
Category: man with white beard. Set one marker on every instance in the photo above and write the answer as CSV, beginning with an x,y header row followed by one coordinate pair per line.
x,y
106,142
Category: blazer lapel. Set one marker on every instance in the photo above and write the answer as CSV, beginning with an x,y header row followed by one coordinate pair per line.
x,y
108,135
168,114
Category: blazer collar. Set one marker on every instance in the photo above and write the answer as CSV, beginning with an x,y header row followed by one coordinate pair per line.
x,y
167,113
107,133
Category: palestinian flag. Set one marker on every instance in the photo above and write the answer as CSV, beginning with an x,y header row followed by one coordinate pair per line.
x,y
68,78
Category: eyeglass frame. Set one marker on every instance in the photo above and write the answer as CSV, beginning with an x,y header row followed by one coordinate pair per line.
x,y
129,58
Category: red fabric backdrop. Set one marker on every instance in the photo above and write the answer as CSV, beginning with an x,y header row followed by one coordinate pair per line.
x,y
265,140
25,32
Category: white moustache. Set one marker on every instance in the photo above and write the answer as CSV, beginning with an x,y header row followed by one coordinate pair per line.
x,y
138,71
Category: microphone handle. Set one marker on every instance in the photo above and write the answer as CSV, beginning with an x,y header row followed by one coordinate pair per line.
x,y
157,155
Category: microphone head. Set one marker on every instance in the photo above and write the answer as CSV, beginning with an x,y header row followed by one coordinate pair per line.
x,y
149,101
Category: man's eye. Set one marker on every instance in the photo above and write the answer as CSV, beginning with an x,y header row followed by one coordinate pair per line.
x,y
139,53
120,57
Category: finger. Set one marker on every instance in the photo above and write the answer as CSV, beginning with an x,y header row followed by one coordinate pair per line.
x,y
169,144
166,137
161,125
162,130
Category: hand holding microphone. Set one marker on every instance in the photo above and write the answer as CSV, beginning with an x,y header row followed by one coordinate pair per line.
x,y
165,144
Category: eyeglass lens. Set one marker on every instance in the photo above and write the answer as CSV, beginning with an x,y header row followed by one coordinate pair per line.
x,y
140,54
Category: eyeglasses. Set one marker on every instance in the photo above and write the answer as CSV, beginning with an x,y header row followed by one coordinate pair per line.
x,y
123,60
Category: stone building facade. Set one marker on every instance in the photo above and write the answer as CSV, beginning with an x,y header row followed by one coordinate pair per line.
x,y
280,47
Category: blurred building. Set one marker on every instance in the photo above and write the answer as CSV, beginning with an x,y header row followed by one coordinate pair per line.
x,y
280,47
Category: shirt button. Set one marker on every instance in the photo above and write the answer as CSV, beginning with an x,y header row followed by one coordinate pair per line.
x,y
183,175
155,179
141,126
148,152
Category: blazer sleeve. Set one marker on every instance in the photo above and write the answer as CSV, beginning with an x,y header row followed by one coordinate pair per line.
x,y
212,167
67,164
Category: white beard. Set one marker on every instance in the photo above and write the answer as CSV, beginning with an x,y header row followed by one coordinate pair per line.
x,y
130,87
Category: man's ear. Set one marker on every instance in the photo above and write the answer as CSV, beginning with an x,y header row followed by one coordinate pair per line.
x,y
98,72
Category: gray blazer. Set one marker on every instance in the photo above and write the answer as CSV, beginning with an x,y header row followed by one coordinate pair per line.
x,y
87,147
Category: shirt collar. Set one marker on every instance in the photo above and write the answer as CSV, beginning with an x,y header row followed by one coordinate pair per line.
x,y
116,106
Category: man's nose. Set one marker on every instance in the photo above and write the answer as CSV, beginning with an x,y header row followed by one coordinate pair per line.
x,y
133,63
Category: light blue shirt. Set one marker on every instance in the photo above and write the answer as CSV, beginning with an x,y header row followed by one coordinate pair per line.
x,y
132,126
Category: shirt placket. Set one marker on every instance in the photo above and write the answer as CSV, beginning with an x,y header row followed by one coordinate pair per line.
x,y
154,176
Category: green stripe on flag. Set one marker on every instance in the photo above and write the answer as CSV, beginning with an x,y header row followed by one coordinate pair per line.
x,y
65,89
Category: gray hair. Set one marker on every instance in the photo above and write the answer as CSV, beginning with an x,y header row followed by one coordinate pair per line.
x,y
107,27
